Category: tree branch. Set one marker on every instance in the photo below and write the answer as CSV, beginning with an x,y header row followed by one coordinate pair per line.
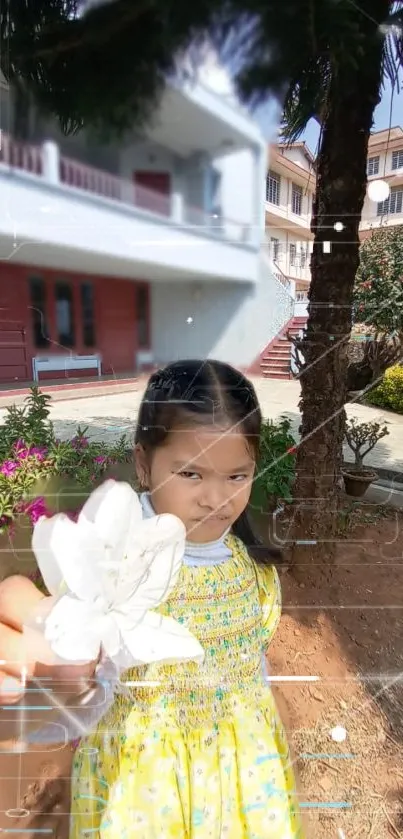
x,y
103,34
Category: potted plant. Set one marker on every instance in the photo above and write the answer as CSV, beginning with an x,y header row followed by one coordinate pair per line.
x,y
275,472
361,437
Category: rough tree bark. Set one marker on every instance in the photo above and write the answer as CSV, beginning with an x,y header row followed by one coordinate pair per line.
x,y
340,193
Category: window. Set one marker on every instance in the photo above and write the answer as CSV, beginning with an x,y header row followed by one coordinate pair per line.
x,y
37,290
274,249
301,296
303,255
293,254
88,314
296,199
64,315
393,204
397,159
143,332
373,166
273,188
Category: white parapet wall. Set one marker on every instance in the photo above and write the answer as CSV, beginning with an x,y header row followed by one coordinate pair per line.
x,y
226,321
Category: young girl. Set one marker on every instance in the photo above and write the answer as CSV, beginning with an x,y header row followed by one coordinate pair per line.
x,y
197,751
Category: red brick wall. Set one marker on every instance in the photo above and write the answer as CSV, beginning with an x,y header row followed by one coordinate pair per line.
x,y
115,320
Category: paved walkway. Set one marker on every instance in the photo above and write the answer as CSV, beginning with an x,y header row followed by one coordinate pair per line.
x,y
110,416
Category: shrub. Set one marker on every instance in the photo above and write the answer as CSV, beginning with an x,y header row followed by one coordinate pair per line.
x,y
275,472
362,437
389,393
40,474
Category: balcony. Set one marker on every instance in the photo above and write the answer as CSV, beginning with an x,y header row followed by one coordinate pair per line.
x,y
281,217
60,213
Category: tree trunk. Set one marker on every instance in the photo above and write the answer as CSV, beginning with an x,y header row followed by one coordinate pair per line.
x,y
340,193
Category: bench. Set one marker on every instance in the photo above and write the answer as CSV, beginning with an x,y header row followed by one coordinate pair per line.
x,y
55,363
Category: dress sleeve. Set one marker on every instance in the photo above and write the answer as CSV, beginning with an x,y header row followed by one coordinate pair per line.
x,y
270,600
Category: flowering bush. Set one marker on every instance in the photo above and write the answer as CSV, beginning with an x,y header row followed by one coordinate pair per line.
x,y
378,291
40,474
389,393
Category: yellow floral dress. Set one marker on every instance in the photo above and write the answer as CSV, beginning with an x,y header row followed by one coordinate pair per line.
x,y
198,751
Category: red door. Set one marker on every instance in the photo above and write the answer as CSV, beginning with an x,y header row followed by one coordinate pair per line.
x,y
153,191
117,302
13,353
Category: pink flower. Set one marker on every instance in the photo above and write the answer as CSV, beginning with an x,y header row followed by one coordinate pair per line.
x,y
100,459
79,442
34,509
39,452
21,449
73,514
8,468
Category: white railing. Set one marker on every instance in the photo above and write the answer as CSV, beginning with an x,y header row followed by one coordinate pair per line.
x,y
46,162
283,279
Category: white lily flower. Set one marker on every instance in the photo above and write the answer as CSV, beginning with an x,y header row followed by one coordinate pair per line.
x,y
108,571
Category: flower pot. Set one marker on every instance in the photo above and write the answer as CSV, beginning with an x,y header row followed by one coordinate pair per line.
x,y
357,481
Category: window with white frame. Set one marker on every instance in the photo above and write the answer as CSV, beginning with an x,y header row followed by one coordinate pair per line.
x,y
273,188
293,254
397,159
304,255
274,248
296,199
393,204
373,166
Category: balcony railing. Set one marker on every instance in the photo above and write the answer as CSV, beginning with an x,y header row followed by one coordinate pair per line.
x,y
46,162
20,155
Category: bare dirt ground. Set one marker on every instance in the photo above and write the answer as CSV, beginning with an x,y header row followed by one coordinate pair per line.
x,y
349,634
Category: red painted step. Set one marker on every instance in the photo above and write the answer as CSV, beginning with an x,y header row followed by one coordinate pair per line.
x,y
275,360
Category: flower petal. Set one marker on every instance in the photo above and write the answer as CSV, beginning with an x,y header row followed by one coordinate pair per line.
x,y
158,638
113,509
74,630
150,568
45,555
68,553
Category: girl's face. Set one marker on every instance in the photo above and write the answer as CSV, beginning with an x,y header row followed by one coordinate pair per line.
x,y
201,475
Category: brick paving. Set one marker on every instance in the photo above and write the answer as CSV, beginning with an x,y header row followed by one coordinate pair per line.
x,y
108,416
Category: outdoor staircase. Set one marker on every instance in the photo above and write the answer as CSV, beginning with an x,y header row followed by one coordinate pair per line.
x,y
275,360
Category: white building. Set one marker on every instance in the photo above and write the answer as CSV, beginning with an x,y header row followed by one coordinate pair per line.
x,y
385,162
290,187
118,256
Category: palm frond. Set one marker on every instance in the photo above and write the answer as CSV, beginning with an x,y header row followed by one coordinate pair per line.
x,y
392,28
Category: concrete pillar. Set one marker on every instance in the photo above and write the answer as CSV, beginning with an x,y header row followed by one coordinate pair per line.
x,y
51,162
178,207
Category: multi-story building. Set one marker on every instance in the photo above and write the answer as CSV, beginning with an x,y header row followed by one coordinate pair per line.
x,y
290,186
122,255
385,162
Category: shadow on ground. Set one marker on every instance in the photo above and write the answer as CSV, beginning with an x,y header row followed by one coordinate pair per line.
x,y
362,597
